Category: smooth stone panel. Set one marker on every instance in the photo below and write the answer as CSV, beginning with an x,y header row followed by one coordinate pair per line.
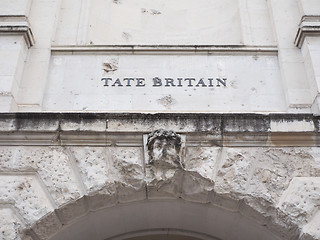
x,y
75,83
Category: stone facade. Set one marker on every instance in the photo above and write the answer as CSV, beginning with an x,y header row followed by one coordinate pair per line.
x,y
122,119
57,168
55,55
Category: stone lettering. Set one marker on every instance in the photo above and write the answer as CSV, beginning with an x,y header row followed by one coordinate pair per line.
x,y
118,82
190,81
169,80
157,82
128,81
106,81
140,82
201,82
223,82
210,82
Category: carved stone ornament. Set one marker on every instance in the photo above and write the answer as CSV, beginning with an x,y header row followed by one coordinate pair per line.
x,y
164,148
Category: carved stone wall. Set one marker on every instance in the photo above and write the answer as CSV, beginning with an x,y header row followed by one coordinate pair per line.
x,y
54,55
230,175
57,168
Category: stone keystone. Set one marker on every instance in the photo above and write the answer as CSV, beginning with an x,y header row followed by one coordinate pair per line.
x,y
164,149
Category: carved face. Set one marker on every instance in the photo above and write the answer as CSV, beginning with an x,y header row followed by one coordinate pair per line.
x,y
164,149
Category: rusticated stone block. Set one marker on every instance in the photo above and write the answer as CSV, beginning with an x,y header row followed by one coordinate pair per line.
x,y
128,163
264,172
128,168
302,198
234,171
275,168
277,187
112,170
200,168
26,194
202,160
9,224
51,163
94,166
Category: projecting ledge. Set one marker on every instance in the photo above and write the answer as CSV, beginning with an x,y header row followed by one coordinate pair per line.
x,y
309,27
12,25
167,49
127,129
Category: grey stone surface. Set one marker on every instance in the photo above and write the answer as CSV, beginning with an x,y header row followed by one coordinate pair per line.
x,y
234,171
53,186
301,199
47,226
10,225
251,145
25,194
51,163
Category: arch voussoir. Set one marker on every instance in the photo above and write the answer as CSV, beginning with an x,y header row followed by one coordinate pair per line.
x,y
54,187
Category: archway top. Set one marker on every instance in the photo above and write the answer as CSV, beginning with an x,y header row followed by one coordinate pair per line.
x,y
170,217
236,168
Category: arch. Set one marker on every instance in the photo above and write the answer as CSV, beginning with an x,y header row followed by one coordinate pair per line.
x,y
164,234
54,187
133,184
203,221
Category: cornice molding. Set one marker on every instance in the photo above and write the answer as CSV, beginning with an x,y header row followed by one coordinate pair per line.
x,y
165,49
127,129
309,27
17,25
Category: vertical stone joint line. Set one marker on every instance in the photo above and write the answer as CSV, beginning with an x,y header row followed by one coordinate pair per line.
x,y
76,171
46,191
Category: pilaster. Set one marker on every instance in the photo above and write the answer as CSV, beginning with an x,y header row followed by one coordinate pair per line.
x,y
296,85
308,39
43,17
15,38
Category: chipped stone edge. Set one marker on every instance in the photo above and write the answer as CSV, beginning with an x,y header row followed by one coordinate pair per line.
x,y
127,129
